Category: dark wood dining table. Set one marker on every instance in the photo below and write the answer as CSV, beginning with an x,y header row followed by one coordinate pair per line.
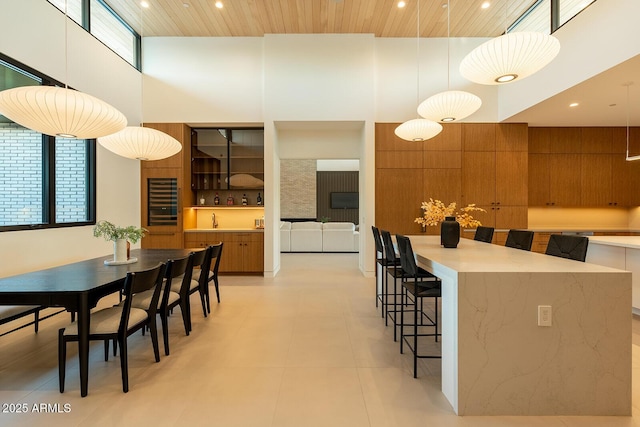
x,y
78,287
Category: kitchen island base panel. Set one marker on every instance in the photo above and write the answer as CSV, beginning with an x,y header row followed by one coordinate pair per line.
x,y
510,366
496,360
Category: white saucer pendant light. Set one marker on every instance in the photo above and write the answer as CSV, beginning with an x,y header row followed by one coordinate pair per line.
x,y
418,129
141,143
451,105
60,112
510,57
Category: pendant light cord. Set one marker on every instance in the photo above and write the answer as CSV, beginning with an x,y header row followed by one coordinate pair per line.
x,y
448,45
141,73
628,84
418,56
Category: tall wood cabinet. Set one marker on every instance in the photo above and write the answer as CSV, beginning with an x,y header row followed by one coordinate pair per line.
x,y
485,164
494,171
165,190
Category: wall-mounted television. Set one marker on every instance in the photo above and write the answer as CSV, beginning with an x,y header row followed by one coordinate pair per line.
x,y
344,200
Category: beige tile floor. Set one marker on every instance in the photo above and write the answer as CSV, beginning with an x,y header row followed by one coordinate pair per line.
x,y
307,348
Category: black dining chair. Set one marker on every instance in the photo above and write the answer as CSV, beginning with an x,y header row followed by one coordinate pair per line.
x,y
484,234
519,239
419,289
568,246
176,293
199,277
120,321
216,256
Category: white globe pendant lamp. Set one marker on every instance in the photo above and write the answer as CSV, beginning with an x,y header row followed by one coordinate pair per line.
x,y
418,129
451,105
141,143
510,57
60,112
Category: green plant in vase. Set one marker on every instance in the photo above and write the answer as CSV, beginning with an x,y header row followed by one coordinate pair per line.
x,y
120,236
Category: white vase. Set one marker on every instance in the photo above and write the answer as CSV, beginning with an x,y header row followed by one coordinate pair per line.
x,y
120,250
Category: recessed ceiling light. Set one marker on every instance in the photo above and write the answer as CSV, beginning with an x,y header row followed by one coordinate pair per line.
x,y
485,5
573,104
401,4
185,5
144,4
219,5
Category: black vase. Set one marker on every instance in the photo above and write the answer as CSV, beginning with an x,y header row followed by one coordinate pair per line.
x,y
449,232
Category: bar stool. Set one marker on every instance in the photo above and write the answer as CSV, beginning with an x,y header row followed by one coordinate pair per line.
x,y
420,289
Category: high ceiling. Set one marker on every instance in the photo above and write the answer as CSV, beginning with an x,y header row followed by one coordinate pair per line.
x,y
255,18
383,18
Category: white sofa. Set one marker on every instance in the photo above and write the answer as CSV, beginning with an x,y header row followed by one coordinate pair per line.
x,y
312,236
306,237
338,236
285,236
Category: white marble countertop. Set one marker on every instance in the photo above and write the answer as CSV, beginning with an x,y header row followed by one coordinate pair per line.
x,y
478,257
623,241
224,230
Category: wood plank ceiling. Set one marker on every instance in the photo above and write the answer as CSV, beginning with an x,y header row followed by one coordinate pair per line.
x,y
255,18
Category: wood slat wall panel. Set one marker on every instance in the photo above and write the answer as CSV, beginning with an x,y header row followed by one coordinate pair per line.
x,y
251,18
335,181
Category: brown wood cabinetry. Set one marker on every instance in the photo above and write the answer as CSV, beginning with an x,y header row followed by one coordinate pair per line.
x,y
581,167
163,183
243,252
492,164
496,180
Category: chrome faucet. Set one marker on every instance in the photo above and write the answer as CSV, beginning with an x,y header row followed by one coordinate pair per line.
x,y
213,220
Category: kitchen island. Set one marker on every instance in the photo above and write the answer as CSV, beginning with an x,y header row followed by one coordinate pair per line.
x,y
622,252
496,360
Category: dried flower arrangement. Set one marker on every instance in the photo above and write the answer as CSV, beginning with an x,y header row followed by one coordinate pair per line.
x,y
435,211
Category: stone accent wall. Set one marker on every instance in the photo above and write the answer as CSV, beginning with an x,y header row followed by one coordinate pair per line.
x,y
298,189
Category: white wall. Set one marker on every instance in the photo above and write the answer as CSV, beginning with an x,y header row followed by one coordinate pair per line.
x,y
203,79
602,36
32,32
397,65
318,96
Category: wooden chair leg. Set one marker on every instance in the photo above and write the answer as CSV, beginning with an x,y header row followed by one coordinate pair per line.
x,y
106,350
124,365
62,359
153,328
165,331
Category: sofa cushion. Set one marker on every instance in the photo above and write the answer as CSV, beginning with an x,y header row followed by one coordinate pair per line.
x,y
285,236
306,225
338,237
306,237
338,226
